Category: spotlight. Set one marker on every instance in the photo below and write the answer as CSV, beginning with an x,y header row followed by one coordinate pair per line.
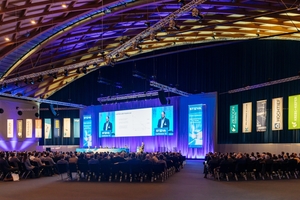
x,y
66,72
147,24
31,81
26,81
1,87
5,85
173,25
78,71
17,83
84,70
40,79
95,64
1,110
181,2
54,75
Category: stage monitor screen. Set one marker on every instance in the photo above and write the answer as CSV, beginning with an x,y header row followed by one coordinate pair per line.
x,y
137,122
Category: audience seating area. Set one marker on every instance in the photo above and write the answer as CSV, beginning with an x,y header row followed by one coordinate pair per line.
x,y
120,167
254,166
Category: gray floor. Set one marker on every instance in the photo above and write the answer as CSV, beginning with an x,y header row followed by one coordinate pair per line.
x,y
188,184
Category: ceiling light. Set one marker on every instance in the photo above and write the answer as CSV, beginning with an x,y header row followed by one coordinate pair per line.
x,y
32,21
64,5
7,39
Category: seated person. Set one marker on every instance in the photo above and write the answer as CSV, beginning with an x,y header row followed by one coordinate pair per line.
x,y
29,167
63,161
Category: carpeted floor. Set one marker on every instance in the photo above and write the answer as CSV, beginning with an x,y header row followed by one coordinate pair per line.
x,y
188,184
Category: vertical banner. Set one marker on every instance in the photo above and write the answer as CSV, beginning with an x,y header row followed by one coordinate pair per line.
x,y
48,130
294,112
38,128
234,119
195,118
277,114
87,130
20,128
261,116
247,117
56,128
28,128
10,128
67,127
76,127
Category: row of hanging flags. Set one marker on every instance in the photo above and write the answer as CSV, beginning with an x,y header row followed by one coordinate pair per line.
x,y
262,115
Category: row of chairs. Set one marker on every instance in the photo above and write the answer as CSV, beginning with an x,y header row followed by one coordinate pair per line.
x,y
122,171
256,170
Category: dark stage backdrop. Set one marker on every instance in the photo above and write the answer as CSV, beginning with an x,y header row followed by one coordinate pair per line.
x,y
179,140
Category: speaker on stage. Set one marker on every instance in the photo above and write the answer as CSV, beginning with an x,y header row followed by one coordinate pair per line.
x,y
51,108
162,97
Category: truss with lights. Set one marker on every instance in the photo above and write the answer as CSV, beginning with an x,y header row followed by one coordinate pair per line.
x,y
284,80
137,95
168,89
43,100
120,49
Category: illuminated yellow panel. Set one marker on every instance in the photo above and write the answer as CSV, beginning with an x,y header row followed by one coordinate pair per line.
x,y
248,29
204,32
265,18
273,31
289,22
290,14
195,27
242,22
86,57
223,27
269,25
216,21
162,34
235,15
250,35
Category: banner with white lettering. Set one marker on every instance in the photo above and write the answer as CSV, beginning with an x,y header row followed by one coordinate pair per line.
x,y
234,119
67,127
261,116
277,114
38,128
20,128
294,112
28,128
10,128
247,117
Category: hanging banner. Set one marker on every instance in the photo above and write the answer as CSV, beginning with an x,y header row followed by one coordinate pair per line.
x,y
87,130
38,128
261,116
247,117
67,127
277,114
195,121
56,128
10,128
20,128
28,128
294,112
76,127
48,130
234,119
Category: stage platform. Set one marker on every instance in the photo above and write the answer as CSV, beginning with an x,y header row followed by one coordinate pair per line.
x,y
101,150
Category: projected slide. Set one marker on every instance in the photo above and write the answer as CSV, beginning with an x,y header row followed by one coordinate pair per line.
x,y
137,122
195,139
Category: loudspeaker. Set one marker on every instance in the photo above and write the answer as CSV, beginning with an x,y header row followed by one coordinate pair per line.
x,y
54,113
20,112
1,110
162,97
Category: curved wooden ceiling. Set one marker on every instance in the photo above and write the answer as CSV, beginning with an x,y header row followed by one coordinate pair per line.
x,y
45,35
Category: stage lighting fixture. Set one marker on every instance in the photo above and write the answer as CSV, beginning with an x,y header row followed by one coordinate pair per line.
x,y
1,110
5,85
66,72
20,112
36,114
147,24
31,81
54,75
84,70
196,13
95,64
173,25
181,2
40,78
17,83
78,71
